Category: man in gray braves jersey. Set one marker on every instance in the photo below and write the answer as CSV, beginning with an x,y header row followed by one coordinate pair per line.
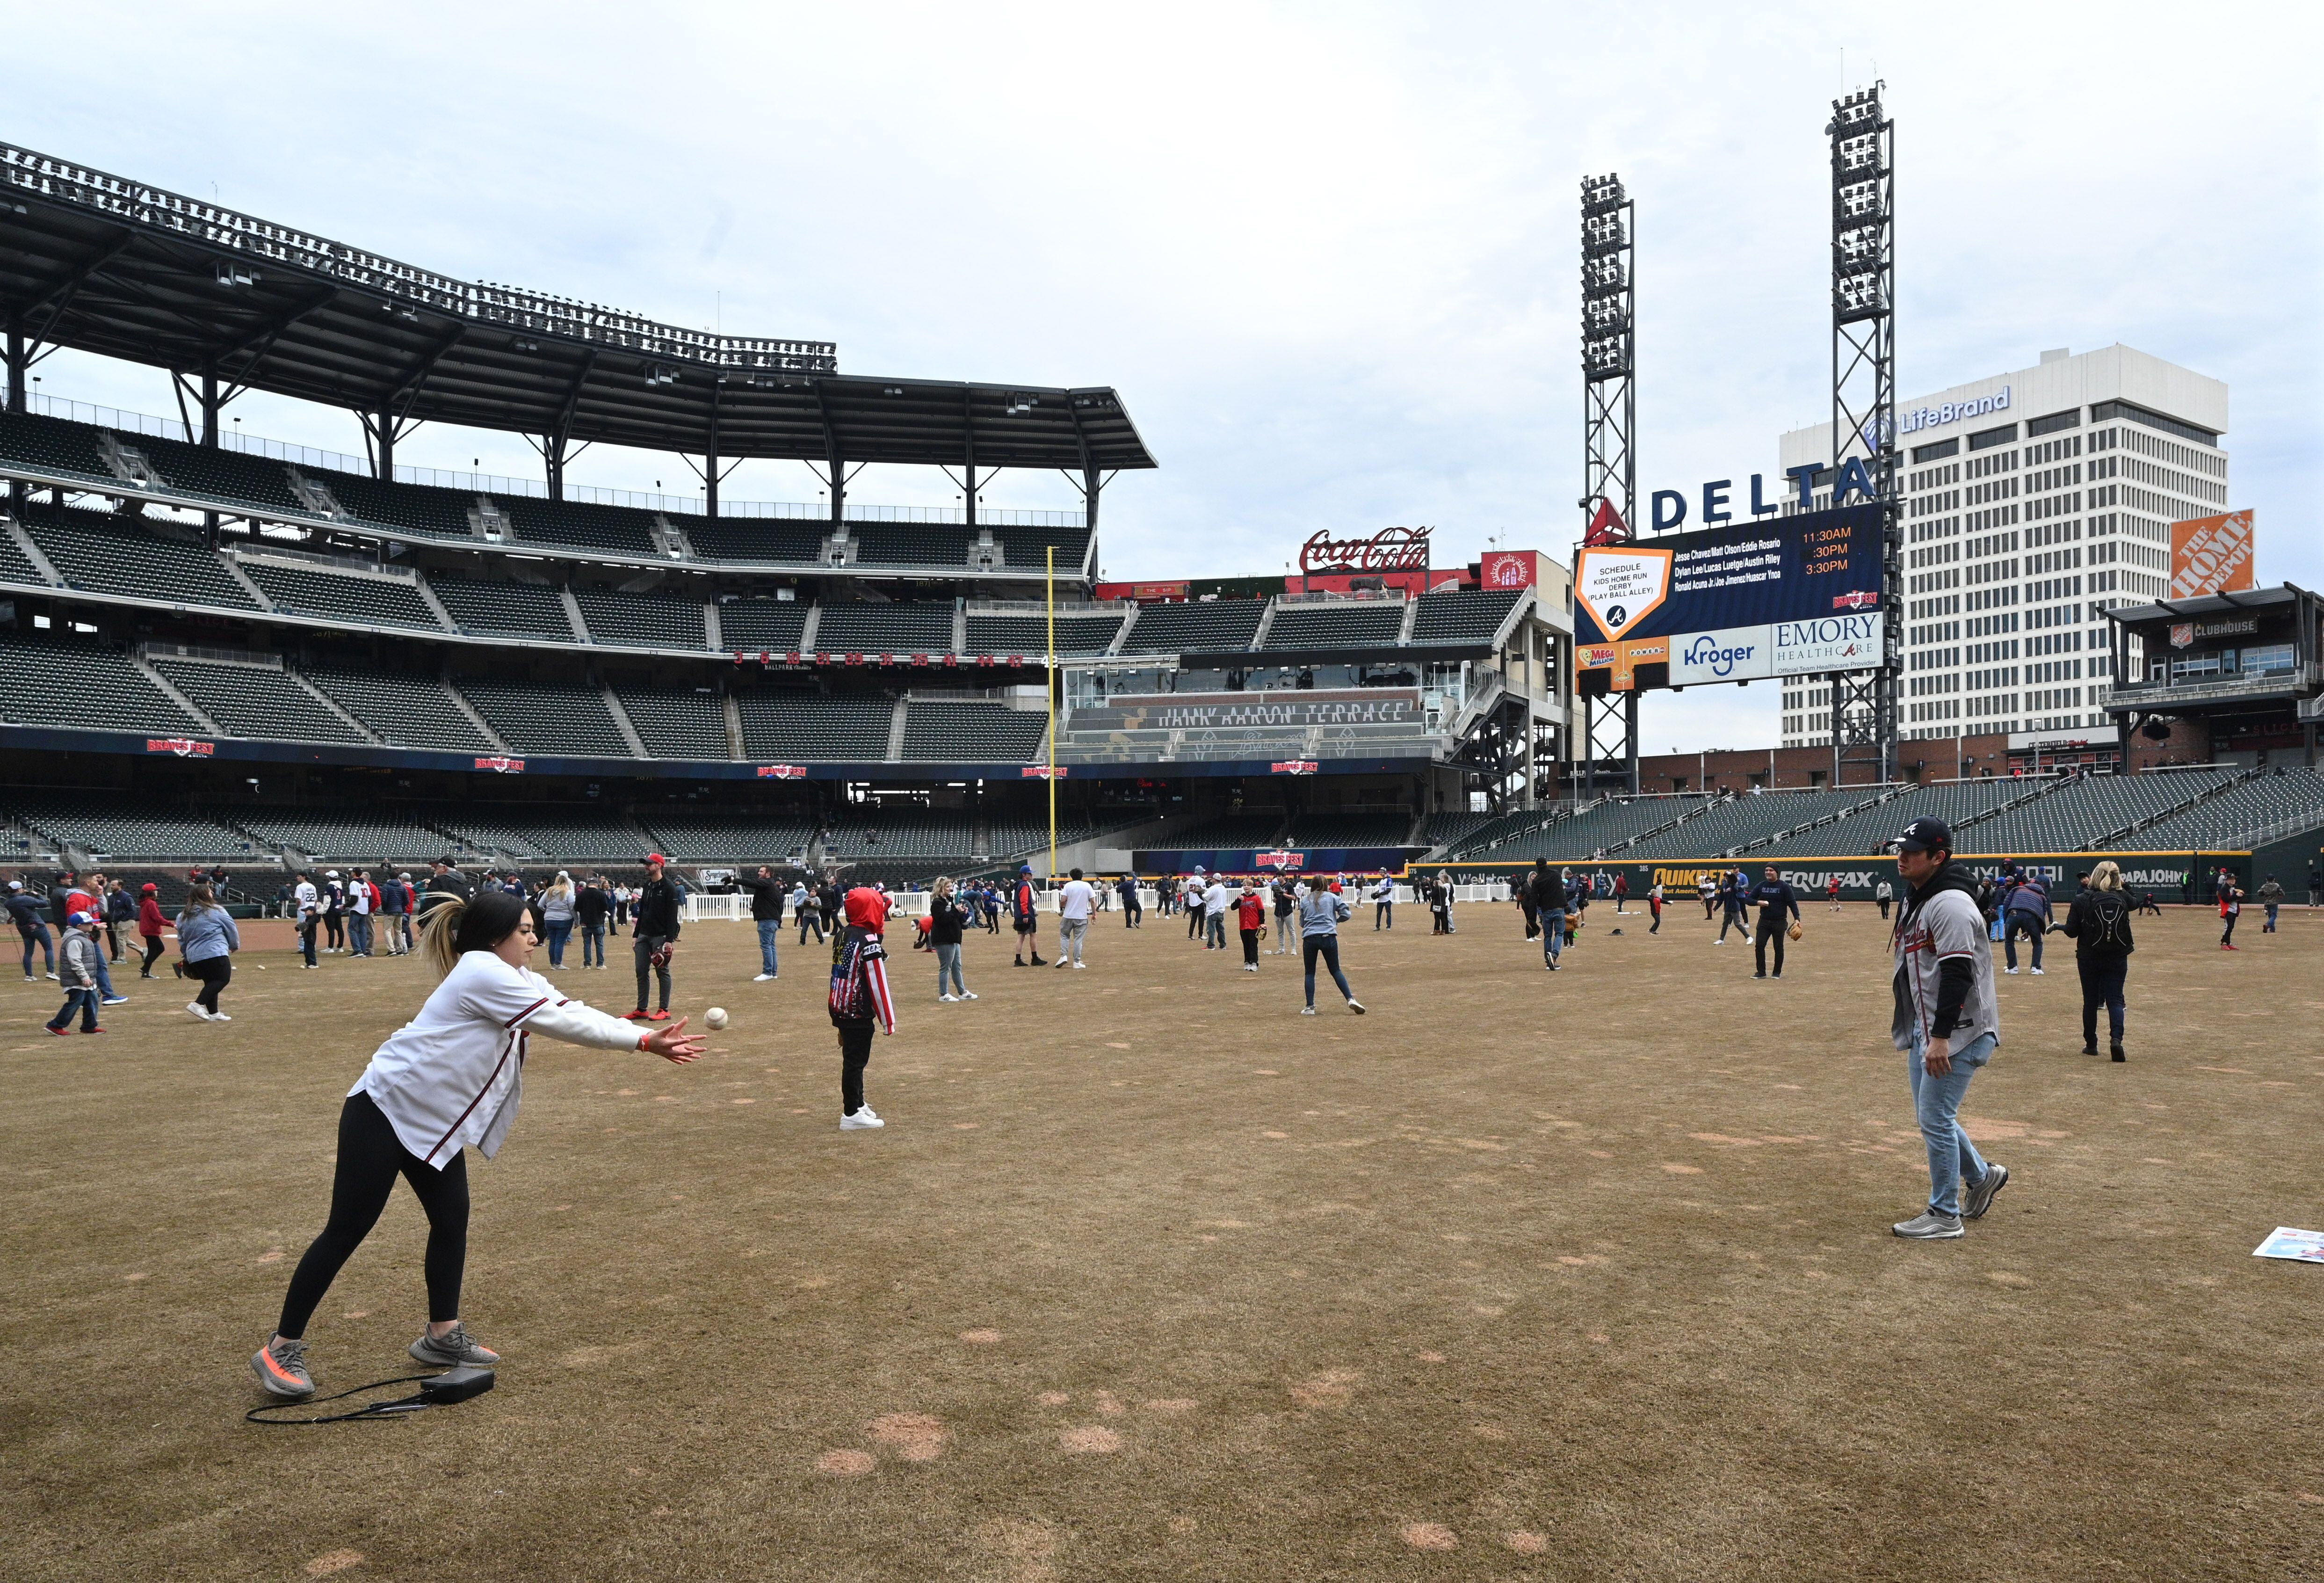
x,y
1947,1018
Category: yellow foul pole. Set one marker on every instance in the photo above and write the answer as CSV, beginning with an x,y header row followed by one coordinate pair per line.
x,y
1051,767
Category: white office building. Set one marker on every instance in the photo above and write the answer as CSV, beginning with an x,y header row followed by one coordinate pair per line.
x,y
2033,501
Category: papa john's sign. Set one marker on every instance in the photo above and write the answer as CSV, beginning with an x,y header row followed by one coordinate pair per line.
x,y
1389,550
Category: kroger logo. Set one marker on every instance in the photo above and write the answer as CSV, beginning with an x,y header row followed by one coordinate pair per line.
x,y
1706,652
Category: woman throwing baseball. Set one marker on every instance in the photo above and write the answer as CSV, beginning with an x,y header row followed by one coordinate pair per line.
x,y
448,1079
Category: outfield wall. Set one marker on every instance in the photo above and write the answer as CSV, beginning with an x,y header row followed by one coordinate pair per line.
x,y
2170,877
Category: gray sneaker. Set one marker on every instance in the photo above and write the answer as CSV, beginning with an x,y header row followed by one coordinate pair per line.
x,y
1979,1199
280,1366
454,1349
1929,1226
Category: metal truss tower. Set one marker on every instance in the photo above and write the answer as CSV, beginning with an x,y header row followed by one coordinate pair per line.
x,y
1864,703
1610,415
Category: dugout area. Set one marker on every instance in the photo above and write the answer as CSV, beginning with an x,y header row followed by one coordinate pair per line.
x,y
1151,1277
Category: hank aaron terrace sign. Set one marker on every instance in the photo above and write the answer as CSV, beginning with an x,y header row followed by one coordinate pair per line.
x,y
1389,550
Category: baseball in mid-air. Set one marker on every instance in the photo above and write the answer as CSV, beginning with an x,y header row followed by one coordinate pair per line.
x,y
714,1018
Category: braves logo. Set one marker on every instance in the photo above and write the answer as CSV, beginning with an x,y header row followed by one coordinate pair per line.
x,y
501,763
183,746
1858,600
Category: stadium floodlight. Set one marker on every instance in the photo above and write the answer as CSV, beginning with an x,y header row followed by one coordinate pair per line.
x,y
236,276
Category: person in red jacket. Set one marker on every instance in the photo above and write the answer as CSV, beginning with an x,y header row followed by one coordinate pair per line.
x,y
860,1000
1251,918
149,927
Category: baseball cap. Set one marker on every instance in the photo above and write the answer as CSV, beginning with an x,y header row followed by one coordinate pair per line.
x,y
149,889
1024,868
1926,835
79,918
654,858
331,874
15,885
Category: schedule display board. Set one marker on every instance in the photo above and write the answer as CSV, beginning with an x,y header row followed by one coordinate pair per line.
x,y
1771,597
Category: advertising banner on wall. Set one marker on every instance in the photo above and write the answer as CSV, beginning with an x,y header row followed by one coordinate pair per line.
x,y
2212,555
1736,653
1738,575
1834,643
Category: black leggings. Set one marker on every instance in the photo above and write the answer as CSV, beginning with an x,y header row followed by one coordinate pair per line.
x,y
854,1055
153,953
371,1157
1326,946
2229,933
215,973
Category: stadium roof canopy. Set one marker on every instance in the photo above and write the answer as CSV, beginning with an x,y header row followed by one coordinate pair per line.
x,y
108,265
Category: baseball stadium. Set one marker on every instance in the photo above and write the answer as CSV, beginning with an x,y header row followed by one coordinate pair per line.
x,y
1487,1271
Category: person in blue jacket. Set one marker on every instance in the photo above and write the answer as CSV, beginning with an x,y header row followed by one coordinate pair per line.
x,y
2025,910
1778,906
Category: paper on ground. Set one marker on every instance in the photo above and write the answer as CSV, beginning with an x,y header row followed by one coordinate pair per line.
x,y
2288,1242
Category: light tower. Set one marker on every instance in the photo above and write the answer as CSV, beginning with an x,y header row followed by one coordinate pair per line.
x,y
1864,703
1610,413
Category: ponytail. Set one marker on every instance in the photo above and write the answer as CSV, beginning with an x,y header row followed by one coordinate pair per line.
x,y
451,926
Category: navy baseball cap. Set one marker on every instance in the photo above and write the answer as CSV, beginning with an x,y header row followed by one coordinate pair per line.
x,y
1926,835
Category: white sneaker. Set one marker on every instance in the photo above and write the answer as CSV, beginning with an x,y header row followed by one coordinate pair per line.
x,y
862,1121
2038,973
762,978
1307,1011
2009,970
1355,1006
967,994
220,1017
1719,942
1079,965
195,1006
948,999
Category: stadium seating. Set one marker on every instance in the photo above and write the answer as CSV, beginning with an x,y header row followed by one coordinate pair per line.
x,y
915,544
111,825
688,834
787,540
968,733
1445,830
1028,634
559,718
338,838
1337,624
647,620
901,833
619,529
2081,810
800,727
1213,626
52,445
1023,548
678,723
1461,615
515,610
108,554
885,629
2230,821
82,685
1350,830
1230,832
1496,839
249,702
16,567
1594,830
761,626
401,710
414,508
1741,821
1015,835
551,835
221,475
369,601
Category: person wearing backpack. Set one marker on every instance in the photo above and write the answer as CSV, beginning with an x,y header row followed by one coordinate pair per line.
x,y
2098,923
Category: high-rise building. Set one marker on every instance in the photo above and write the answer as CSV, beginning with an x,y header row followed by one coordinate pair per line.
x,y
2033,501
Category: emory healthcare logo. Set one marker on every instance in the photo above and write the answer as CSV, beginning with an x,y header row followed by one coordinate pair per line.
x,y
1854,601
183,746
1282,859
502,764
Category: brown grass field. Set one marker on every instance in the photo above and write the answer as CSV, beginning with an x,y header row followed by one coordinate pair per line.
x,y
1584,1277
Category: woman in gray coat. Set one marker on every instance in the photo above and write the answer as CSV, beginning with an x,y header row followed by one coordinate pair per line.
x,y
207,939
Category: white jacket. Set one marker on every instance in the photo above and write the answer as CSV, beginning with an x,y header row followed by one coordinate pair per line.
x,y
451,1078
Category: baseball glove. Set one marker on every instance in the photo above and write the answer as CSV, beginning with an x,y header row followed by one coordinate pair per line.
x,y
1798,929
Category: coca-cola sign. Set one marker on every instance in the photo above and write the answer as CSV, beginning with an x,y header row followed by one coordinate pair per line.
x,y
1389,550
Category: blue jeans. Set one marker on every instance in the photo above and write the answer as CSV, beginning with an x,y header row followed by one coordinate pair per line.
x,y
770,931
560,931
1326,946
359,933
104,978
593,939
1936,1103
86,999
37,939
948,966
1553,934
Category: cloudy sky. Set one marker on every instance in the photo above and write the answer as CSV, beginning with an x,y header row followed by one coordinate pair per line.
x,y
1327,254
